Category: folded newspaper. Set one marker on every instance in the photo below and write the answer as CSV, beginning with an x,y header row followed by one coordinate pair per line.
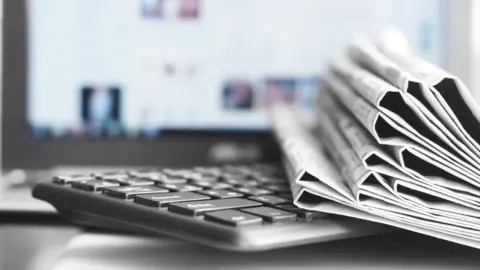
x,y
396,140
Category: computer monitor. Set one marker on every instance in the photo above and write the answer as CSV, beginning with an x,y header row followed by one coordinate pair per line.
x,y
150,82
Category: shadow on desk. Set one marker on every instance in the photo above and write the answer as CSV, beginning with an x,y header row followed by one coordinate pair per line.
x,y
394,251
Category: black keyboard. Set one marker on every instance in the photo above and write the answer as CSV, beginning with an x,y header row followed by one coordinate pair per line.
x,y
233,207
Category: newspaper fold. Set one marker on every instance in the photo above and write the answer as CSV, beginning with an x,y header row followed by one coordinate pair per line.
x,y
396,141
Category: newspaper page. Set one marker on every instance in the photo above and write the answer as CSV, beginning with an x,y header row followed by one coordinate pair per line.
x,y
376,158
447,95
370,147
396,105
349,163
442,166
385,130
303,153
368,184
367,54
371,154
365,157
402,214
389,214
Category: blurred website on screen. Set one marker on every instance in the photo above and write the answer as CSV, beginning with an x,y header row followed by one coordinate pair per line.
x,y
145,67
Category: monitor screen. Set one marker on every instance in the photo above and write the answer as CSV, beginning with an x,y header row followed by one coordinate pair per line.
x,y
149,68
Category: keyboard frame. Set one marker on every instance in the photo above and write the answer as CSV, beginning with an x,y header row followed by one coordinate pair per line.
x,y
91,209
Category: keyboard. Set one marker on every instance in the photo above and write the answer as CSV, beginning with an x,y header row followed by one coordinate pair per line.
x,y
241,207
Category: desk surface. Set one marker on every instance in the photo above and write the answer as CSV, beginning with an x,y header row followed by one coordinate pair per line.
x,y
395,251
32,247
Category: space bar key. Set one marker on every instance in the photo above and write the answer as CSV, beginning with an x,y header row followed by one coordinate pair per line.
x,y
199,207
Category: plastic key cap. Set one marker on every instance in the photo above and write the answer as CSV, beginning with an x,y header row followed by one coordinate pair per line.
x,y
125,180
253,191
212,185
95,185
277,188
104,175
180,187
221,193
233,218
241,181
270,199
72,178
200,207
271,180
127,192
151,175
272,214
160,178
235,180
134,182
305,214
208,179
162,200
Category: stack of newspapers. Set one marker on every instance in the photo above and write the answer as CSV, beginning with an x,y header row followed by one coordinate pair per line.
x,y
395,140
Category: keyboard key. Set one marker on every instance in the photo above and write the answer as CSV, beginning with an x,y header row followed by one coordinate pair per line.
x,y
212,185
269,180
240,181
180,187
95,185
270,200
130,181
127,192
147,174
234,180
221,193
227,175
114,177
233,218
173,180
200,207
251,183
194,177
184,173
252,191
272,214
277,188
102,175
160,178
305,214
126,180
201,169
68,179
208,171
163,200
207,179
235,169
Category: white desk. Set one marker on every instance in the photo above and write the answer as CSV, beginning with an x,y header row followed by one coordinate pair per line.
x,y
394,251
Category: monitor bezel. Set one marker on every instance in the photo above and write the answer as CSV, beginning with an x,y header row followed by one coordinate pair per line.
x,y
21,151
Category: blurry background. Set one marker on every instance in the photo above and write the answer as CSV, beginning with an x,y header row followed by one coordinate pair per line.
x,y
138,68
